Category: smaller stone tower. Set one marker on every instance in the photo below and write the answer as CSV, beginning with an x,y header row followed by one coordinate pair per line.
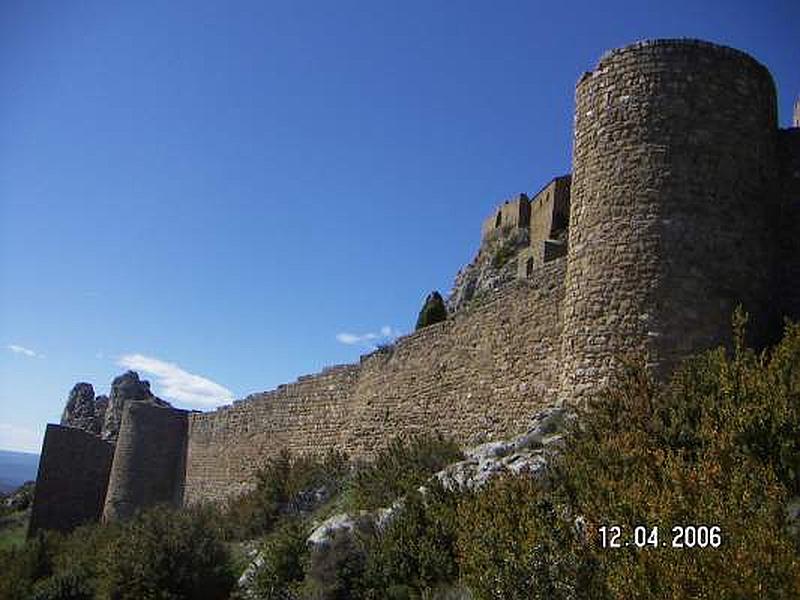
x,y
149,461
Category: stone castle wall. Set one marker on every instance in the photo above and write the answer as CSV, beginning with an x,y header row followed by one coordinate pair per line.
x,y
673,196
71,483
149,460
225,446
476,376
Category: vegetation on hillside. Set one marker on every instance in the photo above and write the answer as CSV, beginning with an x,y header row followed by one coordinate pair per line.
x,y
716,447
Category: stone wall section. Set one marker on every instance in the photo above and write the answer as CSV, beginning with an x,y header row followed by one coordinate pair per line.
x,y
149,460
673,192
226,446
72,479
509,215
476,376
550,210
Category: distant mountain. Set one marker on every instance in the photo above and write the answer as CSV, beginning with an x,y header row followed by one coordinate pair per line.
x,y
16,468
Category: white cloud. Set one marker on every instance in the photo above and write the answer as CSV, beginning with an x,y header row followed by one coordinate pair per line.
x,y
20,439
176,384
386,333
23,350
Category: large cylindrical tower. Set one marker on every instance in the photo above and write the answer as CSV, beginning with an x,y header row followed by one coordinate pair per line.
x,y
149,461
673,185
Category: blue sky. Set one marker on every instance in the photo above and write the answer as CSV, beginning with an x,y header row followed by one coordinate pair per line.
x,y
226,195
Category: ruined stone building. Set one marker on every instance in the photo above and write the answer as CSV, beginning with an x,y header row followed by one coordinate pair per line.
x,y
683,202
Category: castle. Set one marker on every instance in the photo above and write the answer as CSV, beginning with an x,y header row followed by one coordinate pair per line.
x,y
683,202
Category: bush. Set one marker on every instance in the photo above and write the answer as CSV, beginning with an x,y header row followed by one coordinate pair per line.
x,y
23,566
164,553
514,544
284,552
716,447
401,468
335,570
433,311
286,485
416,550
505,252
65,585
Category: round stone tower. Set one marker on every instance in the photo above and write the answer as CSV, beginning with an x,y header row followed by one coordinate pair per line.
x,y
149,460
673,181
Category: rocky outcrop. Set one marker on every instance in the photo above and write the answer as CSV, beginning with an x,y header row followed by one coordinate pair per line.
x,y
494,267
527,454
125,389
82,410
101,416
21,498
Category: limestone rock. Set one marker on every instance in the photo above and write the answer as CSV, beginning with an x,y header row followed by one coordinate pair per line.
x,y
526,454
81,409
124,389
493,268
322,534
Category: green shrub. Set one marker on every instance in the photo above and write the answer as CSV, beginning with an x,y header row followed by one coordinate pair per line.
x,y
715,447
286,485
514,544
401,468
335,570
433,311
505,252
284,553
164,553
65,585
415,552
23,566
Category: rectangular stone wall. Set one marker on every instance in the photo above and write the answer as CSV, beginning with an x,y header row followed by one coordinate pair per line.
x,y
550,209
72,480
475,377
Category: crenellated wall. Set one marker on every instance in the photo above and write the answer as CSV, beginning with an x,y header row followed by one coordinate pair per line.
x,y
225,446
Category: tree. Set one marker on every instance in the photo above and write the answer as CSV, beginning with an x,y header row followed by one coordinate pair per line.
x,y
432,311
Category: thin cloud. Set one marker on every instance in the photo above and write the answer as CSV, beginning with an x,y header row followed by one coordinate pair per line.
x,y
176,384
20,439
16,349
386,333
